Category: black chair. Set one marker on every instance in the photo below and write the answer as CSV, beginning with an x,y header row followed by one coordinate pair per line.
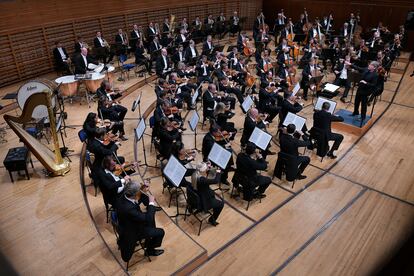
x,y
320,139
287,165
195,208
243,185
140,243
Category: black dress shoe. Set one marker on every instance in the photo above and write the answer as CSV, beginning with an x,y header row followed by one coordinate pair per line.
x,y
331,155
301,176
213,222
155,252
158,208
354,114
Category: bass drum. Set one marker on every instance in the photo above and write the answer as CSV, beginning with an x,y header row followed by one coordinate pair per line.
x,y
33,87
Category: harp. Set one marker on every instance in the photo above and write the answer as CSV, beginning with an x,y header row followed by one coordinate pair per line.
x,y
51,160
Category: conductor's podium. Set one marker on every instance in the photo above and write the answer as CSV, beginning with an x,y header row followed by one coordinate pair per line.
x,y
352,124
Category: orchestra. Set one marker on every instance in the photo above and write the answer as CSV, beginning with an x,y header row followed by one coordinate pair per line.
x,y
308,51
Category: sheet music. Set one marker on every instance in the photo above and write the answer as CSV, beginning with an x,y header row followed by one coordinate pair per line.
x,y
320,101
194,121
247,103
292,118
260,138
136,102
139,131
296,89
331,87
219,156
194,97
174,171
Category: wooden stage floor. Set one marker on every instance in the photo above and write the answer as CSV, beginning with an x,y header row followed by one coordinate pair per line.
x,y
348,217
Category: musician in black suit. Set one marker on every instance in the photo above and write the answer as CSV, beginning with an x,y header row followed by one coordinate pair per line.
x,y
134,224
250,122
102,49
307,72
79,44
201,185
270,102
209,25
208,143
204,70
62,59
248,163
342,70
289,144
366,86
154,46
191,53
179,55
97,147
135,36
165,27
235,23
290,104
140,58
209,101
163,64
168,135
121,41
81,62
181,38
208,46
151,32
110,184
322,121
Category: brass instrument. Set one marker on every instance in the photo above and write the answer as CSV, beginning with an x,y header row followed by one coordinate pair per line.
x,y
157,29
172,24
51,160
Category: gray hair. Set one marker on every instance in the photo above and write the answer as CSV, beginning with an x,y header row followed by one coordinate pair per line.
x,y
131,189
375,64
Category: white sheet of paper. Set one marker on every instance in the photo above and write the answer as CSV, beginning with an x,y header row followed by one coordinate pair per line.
x,y
292,118
194,121
219,155
331,87
320,101
296,89
139,131
247,103
174,171
194,97
260,138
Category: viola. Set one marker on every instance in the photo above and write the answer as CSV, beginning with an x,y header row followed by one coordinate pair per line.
x,y
127,168
222,136
109,138
172,125
103,123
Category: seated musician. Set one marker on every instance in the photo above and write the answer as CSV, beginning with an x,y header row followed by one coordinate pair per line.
x,y
62,59
102,49
81,61
166,27
284,57
169,133
209,25
248,163
152,32
220,25
115,114
208,46
191,53
200,183
287,75
230,88
110,184
251,121
79,44
241,38
154,47
181,38
215,135
121,41
379,87
135,224
163,65
101,147
105,91
140,58
290,104
185,156
221,116
184,71
89,126
243,72
289,144
196,28
210,101
164,109
135,36
322,120
341,70
183,91
308,71
204,70
179,55
283,45
270,101
264,65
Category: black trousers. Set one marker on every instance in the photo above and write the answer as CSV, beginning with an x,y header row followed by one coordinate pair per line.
x,y
261,182
121,110
345,83
217,206
361,98
304,162
236,92
153,237
337,138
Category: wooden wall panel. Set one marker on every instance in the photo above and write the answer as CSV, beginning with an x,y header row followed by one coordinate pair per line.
x,y
392,12
26,49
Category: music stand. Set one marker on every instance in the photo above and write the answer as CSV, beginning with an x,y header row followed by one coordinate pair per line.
x,y
64,151
174,171
192,123
354,78
247,104
137,103
297,120
139,135
219,156
260,138
316,81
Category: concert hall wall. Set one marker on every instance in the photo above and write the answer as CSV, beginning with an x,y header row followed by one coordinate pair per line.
x,y
30,28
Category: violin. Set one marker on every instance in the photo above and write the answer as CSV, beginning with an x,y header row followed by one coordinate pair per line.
x,y
187,154
222,136
125,169
103,123
381,71
172,125
109,138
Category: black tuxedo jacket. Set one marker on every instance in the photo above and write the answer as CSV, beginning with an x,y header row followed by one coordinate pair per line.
x,y
290,144
323,119
160,65
80,66
248,166
58,57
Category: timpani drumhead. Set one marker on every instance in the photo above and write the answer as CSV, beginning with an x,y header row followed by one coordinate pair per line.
x,y
33,87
